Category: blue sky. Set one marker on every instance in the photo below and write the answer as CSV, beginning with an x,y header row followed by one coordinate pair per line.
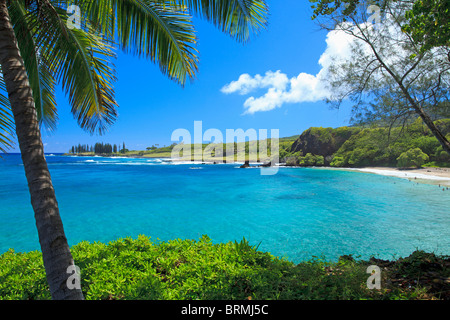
x,y
152,107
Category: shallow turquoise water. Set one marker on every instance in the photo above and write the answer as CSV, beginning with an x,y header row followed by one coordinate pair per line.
x,y
295,214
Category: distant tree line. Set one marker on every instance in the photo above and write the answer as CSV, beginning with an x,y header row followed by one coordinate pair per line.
x,y
98,148
81,149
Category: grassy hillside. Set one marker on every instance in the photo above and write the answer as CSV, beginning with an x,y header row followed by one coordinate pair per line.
x,y
206,152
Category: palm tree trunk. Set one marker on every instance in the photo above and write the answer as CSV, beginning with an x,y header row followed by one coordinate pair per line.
x,y
55,249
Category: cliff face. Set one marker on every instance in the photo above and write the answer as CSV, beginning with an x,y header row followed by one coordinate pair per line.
x,y
322,141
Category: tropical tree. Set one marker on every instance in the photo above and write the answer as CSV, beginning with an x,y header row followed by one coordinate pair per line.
x,y
412,158
429,23
388,69
40,48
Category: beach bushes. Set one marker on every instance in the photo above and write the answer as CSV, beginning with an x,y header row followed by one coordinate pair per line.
x,y
188,269
392,146
412,158
311,160
362,147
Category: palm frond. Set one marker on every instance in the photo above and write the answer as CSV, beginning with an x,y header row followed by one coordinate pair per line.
x,y
6,119
40,76
238,18
81,61
160,32
163,34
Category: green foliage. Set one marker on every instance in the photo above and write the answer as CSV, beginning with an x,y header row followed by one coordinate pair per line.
x,y
140,269
22,276
323,134
328,7
6,118
308,160
285,145
338,162
429,23
332,136
311,160
412,158
101,148
418,263
362,149
441,155
316,145
383,146
320,161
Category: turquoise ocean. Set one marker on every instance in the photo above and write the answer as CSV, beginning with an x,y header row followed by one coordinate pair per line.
x,y
297,213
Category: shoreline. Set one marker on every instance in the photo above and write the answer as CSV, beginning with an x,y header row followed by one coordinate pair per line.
x,y
429,175
436,176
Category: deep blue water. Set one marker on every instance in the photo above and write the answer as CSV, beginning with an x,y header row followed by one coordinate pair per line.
x,y
298,213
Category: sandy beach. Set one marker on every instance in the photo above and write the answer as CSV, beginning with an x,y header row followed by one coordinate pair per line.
x,y
438,176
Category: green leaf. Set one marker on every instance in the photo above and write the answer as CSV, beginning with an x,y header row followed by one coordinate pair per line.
x,y
7,126
40,76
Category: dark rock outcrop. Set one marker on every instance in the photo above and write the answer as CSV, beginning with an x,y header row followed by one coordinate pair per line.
x,y
322,141
246,165
266,165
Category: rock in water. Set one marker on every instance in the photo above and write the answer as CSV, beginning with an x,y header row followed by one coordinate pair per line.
x,y
246,165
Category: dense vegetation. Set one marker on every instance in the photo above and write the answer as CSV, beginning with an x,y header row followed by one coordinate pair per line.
x,y
98,148
188,269
383,146
373,146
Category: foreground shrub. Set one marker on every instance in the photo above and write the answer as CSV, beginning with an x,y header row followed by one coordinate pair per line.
x,y
188,269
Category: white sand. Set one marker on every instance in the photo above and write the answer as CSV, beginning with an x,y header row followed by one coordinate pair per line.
x,y
431,175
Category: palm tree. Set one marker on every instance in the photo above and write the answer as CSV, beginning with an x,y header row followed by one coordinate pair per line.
x,y
38,50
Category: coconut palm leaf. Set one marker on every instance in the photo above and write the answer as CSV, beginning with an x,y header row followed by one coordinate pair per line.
x,y
81,62
6,118
238,18
80,59
40,76
160,32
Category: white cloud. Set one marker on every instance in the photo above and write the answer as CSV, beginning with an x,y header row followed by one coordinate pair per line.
x,y
302,88
246,83
343,47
